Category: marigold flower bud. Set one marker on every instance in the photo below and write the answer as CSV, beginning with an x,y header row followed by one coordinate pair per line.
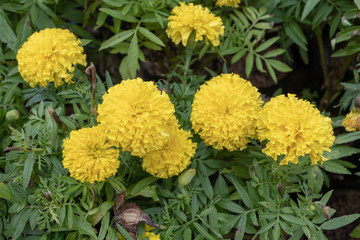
x,y
12,115
186,177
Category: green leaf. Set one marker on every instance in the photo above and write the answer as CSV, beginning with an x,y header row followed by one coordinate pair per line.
x,y
7,35
5,192
339,222
133,53
335,167
347,137
309,5
271,71
40,19
292,219
116,39
152,37
123,232
231,206
266,44
239,234
70,217
119,15
295,33
203,231
340,152
326,197
140,185
103,209
84,227
280,66
238,55
274,53
205,183
20,225
249,63
242,192
356,232
28,168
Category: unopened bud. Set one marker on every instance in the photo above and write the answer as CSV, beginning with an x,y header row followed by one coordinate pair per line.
x,y
12,115
326,211
186,177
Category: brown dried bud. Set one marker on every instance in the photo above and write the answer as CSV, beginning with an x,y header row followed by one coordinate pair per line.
x,y
326,211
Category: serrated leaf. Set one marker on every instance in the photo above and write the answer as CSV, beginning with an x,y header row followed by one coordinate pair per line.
x,y
280,66
7,34
152,37
340,152
335,167
339,222
239,234
274,53
119,15
133,54
295,33
347,137
271,71
116,39
5,192
238,55
140,185
28,168
203,231
242,192
231,206
309,5
249,63
102,210
266,44
292,219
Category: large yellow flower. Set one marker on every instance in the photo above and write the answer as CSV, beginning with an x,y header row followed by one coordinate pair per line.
x,y
294,128
225,110
88,155
228,3
352,121
189,18
173,158
49,56
137,116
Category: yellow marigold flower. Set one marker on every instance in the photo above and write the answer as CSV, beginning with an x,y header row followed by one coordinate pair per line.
x,y
352,121
189,18
137,116
150,235
49,56
225,110
228,3
173,158
89,156
294,128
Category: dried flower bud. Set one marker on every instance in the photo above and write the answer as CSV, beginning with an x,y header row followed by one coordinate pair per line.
x,y
326,211
12,115
186,177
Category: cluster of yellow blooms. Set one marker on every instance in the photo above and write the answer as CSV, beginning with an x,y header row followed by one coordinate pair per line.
x,y
226,113
140,119
49,56
136,117
188,18
150,235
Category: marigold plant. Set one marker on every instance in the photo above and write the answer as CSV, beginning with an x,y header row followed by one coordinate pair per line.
x,y
173,158
225,110
49,56
228,3
89,156
186,19
294,128
137,115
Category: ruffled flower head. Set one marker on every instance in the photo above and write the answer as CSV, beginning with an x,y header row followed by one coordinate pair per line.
x,y
228,3
49,56
294,128
188,18
137,116
352,120
89,156
173,158
225,110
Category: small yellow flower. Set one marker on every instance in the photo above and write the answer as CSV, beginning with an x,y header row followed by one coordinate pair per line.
x,y
228,3
49,56
150,235
188,18
225,110
88,155
352,121
173,158
294,128
137,115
